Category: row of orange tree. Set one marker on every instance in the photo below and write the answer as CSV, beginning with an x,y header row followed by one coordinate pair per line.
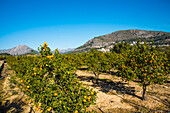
x,y
144,64
99,62
141,63
51,77
49,82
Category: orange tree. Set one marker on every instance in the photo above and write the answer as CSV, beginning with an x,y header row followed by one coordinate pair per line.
x,y
106,61
120,47
97,62
50,84
73,60
145,64
83,58
110,61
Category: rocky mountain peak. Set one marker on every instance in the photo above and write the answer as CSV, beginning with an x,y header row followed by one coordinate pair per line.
x,y
122,35
19,50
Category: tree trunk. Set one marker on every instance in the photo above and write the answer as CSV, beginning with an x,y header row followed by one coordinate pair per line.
x,y
110,72
97,77
144,91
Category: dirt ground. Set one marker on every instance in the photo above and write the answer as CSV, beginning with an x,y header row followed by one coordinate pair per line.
x,y
114,96
117,96
12,100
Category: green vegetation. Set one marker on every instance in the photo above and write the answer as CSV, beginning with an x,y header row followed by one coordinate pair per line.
x,y
145,64
121,47
50,83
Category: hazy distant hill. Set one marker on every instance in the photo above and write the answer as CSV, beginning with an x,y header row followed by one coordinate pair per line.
x,y
62,51
19,50
129,36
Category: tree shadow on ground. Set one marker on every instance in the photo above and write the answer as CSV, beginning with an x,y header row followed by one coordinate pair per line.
x,y
83,68
109,72
157,96
144,109
1,68
167,81
14,106
6,104
107,86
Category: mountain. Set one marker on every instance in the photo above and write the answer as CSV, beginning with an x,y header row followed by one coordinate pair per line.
x,y
62,51
19,50
129,36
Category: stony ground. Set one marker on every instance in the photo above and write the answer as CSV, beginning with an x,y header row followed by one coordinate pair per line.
x,y
114,96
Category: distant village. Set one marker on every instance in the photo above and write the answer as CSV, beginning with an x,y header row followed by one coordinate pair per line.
x,y
107,49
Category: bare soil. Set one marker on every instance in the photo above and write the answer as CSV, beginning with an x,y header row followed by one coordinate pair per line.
x,y
12,100
114,95
117,96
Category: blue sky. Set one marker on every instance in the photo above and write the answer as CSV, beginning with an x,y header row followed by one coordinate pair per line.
x,y
70,23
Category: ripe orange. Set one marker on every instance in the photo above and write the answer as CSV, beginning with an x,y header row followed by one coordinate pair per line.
x,y
37,109
49,109
55,94
92,93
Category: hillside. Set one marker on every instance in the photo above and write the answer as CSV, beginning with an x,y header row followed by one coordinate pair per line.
x,y
19,50
63,51
159,37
